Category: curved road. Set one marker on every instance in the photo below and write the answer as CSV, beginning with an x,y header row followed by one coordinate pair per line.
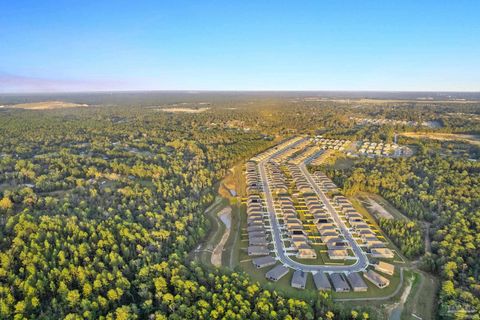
x,y
360,264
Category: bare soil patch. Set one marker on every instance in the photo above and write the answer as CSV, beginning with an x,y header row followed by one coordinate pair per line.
x,y
183,110
48,105
470,138
226,216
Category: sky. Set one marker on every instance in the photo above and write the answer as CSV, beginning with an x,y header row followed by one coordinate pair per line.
x,y
69,45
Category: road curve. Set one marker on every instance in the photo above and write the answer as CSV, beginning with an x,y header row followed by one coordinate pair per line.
x,y
362,261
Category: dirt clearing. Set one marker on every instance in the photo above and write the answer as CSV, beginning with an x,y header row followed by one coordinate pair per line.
x,y
226,216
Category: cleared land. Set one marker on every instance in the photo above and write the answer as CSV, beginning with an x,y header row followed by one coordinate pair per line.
x,y
184,110
225,216
469,138
48,105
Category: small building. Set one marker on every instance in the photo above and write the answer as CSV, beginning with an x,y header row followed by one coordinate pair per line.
x,y
339,283
257,251
264,262
299,279
385,267
356,282
321,281
376,279
277,273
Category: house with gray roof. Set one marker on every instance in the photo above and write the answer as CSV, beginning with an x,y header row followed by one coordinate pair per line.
x,y
339,283
356,282
264,262
299,279
321,281
257,250
277,273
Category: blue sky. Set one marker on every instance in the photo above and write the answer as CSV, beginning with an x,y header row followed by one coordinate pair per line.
x,y
239,45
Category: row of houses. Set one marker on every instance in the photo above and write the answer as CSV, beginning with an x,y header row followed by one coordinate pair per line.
x,y
283,156
364,121
359,226
301,183
276,178
257,233
340,282
324,182
335,144
309,153
294,228
252,178
269,152
337,247
378,149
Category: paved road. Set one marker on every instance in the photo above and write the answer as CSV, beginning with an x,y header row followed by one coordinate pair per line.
x,y
362,260
361,263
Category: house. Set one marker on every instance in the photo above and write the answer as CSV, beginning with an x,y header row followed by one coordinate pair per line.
x,y
256,234
356,282
381,253
376,279
255,228
337,254
321,281
257,251
299,279
260,241
339,283
277,273
264,262
385,267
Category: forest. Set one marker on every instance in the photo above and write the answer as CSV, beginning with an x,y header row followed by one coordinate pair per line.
x,y
99,208
436,189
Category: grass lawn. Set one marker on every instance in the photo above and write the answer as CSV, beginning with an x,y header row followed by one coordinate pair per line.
x,y
421,300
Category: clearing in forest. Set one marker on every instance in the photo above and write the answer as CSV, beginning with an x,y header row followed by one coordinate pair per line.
x,y
226,216
470,138
48,105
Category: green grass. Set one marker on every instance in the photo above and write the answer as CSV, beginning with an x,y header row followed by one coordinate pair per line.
x,y
421,300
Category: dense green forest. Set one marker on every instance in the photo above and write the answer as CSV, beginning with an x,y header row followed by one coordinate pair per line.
x,y
99,208
439,189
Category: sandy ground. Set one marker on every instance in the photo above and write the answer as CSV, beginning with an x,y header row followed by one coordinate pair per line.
x,y
444,137
396,309
47,105
378,209
226,216
185,110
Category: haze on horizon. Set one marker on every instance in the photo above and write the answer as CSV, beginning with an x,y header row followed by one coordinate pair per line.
x,y
239,45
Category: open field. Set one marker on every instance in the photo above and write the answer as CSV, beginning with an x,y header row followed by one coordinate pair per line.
x,y
184,110
421,301
47,105
377,205
469,138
